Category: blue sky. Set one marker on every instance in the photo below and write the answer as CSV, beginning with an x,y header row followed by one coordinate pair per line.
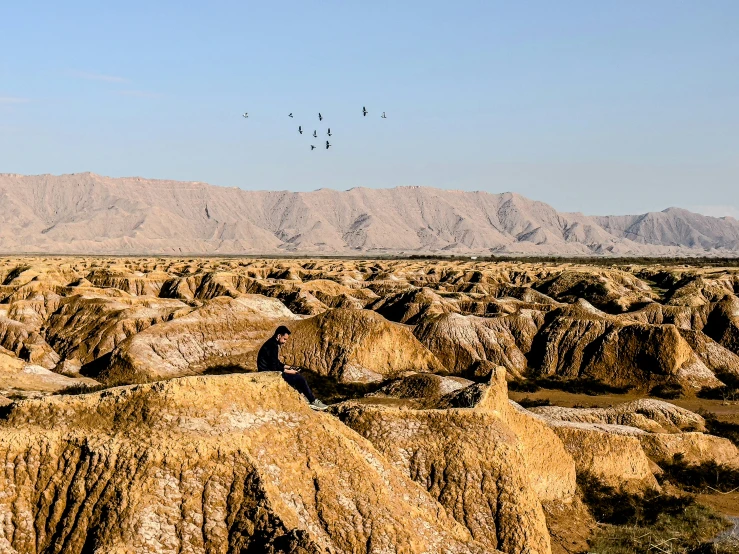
x,y
599,107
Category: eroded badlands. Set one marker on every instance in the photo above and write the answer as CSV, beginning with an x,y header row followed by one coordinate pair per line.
x,y
185,449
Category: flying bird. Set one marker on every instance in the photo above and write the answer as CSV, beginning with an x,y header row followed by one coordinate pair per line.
x,y
327,145
320,117
315,135
312,147
329,131
300,129
383,116
246,114
364,111
290,114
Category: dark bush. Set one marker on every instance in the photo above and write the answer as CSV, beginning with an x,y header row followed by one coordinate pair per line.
x,y
81,389
720,428
697,478
648,523
584,385
729,391
668,391
523,386
617,507
527,402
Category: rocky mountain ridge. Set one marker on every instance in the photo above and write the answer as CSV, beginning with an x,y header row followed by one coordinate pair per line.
x,y
92,214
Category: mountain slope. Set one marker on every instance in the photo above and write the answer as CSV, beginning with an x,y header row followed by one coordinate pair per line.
x,y
87,213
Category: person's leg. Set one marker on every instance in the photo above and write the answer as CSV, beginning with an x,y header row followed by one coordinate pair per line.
x,y
298,382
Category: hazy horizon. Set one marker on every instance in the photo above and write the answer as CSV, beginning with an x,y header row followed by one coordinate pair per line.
x,y
595,108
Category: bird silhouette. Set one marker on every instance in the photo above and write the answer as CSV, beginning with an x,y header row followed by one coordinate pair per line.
x,y
300,129
364,111
327,145
320,117
315,135
246,114
383,116
290,114
329,131
312,147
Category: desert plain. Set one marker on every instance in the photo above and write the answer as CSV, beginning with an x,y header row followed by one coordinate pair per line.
x,y
476,406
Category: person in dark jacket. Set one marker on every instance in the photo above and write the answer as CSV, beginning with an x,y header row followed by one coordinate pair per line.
x,y
268,360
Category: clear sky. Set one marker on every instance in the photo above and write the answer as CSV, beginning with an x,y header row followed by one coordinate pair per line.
x,y
595,106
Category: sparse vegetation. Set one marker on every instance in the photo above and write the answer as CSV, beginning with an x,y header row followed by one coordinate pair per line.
x,y
699,478
527,402
720,428
523,386
584,385
651,522
82,389
728,392
667,391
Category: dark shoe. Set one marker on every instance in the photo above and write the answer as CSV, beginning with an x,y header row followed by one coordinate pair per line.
x,y
318,405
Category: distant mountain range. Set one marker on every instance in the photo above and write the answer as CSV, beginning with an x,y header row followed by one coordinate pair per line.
x,y
85,213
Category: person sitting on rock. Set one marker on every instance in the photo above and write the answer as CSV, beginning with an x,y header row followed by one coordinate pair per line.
x,y
268,360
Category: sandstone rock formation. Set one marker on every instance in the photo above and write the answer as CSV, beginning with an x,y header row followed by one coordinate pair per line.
x,y
464,343
677,327
160,467
356,346
470,460
662,430
206,464
224,332
654,416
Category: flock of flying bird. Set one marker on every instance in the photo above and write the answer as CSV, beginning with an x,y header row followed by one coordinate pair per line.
x,y
320,118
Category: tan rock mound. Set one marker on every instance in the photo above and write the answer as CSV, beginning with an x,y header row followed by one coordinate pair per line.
x,y
133,282
412,305
581,341
356,346
87,327
682,317
697,290
550,468
209,285
224,332
723,323
612,453
662,429
19,378
692,448
464,343
654,416
471,462
719,359
336,295
422,386
23,340
611,290
234,463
